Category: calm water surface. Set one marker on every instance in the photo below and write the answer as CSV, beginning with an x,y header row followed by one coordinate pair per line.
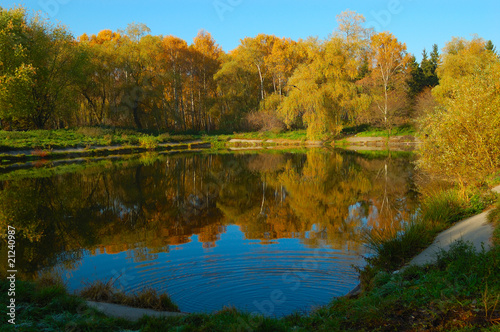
x,y
272,233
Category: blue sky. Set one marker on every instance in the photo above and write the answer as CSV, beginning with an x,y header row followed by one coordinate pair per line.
x,y
418,23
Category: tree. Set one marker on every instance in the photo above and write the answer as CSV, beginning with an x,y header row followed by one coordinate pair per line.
x,y
429,67
100,94
490,47
323,93
173,64
135,81
462,134
389,74
39,78
16,73
416,81
208,63
238,87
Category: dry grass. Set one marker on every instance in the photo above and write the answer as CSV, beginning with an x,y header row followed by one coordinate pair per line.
x,y
148,298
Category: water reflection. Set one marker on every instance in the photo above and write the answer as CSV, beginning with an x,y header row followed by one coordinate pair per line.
x,y
203,227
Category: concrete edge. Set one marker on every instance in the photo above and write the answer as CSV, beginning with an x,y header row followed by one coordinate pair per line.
x,y
129,313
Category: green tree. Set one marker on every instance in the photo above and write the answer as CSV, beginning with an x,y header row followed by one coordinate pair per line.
x,y
136,70
416,82
40,76
490,47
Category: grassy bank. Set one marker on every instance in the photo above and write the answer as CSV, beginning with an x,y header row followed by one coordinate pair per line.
x,y
461,292
86,137
82,138
369,131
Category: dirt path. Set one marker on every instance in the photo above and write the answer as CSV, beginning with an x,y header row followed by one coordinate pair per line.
x,y
381,141
476,230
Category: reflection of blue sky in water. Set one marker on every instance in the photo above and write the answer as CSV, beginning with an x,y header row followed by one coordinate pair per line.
x,y
214,230
236,271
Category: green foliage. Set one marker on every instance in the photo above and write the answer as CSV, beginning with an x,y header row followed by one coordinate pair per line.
x,y
404,130
444,207
393,250
39,78
148,142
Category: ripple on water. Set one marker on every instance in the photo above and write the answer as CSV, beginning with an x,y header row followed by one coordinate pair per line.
x,y
208,282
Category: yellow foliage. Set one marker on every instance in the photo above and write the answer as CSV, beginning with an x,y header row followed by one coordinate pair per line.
x,y
462,135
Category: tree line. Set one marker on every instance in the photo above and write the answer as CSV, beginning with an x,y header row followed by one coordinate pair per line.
x,y
130,78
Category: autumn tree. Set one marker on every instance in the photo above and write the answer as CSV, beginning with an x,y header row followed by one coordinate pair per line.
x,y
136,73
238,87
207,62
100,95
461,137
388,80
323,93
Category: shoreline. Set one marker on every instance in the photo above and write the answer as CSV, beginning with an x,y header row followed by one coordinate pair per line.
x,y
26,154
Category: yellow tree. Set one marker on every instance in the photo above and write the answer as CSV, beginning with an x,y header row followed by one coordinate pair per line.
x,y
100,95
209,62
390,63
461,138
173,63
238,90
323,93
254,51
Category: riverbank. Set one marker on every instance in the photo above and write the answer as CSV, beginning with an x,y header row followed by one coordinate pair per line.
x,y
86,142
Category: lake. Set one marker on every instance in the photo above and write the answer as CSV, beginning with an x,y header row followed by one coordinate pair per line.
x,y
272,232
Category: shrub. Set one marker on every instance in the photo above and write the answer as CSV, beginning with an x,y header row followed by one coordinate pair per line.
x,y
461,137
148,142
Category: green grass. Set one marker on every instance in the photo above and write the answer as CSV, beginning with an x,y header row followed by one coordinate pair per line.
x,y
296,135
46,143
393,248
366,131
82,137
459,291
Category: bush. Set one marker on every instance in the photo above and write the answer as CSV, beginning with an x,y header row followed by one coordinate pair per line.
x,y
461,137
148,142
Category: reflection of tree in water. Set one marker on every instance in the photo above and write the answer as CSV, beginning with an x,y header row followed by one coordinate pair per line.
x,y
394,196
321,197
